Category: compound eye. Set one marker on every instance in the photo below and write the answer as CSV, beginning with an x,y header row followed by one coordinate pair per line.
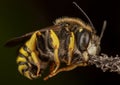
x,y
83,40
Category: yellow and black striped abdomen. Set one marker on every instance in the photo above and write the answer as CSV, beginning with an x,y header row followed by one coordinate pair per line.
x,y
28,61
23,62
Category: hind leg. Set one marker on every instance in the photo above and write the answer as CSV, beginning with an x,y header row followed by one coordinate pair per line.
x,y
68,68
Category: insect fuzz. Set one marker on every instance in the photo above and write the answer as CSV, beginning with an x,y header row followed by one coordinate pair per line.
x,y
69,41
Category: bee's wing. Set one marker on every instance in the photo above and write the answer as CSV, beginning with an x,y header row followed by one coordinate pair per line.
x,y
17,40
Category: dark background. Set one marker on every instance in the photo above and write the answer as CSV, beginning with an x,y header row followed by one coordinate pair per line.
x,y
18,17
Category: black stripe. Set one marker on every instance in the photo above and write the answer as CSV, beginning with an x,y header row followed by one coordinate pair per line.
x,y
22,63
44,58
25,48
21,55
41,43
25,69
67,42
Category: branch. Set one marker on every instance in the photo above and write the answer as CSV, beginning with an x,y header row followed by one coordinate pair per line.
x,y
104,62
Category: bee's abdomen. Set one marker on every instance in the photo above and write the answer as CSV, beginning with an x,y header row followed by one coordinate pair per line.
x,y
22,61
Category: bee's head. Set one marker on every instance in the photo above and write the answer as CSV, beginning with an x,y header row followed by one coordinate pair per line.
x,y
94,44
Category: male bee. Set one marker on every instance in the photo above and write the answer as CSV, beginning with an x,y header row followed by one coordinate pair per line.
x,y
69,41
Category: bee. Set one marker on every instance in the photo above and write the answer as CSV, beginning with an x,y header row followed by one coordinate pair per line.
x,y
70,41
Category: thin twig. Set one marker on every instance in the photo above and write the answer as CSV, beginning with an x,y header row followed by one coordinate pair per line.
x,y
106,63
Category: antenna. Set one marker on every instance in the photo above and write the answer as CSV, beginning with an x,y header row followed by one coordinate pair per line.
x,y
103,29
84,14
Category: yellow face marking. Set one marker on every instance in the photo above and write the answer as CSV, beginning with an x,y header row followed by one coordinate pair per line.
x,y
21,59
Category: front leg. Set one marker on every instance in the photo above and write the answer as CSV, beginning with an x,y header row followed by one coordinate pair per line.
x,y
71,48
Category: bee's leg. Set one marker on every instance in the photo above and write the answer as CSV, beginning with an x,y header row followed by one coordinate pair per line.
x,y
55,45
41,47
44,50
52,67
68,68
71,48
31,47
46,40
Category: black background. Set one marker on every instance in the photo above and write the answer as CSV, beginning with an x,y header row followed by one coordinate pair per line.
x,y
18,17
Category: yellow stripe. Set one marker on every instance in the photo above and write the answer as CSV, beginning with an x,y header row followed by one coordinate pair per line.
x,y
55,43
22,51
22,67
21,59
56,55
31,44
35,58
72,39
71,48
55,40
27,74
